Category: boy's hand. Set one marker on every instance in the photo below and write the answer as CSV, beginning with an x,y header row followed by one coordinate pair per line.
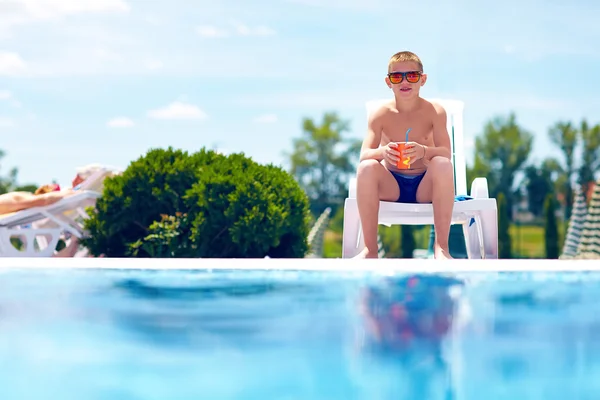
x,y
415,151
391,153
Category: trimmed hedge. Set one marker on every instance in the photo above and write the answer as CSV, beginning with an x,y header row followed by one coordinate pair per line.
x,y
170,203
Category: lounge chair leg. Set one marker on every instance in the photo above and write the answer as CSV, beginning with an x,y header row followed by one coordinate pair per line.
x,y
465,227
480,237
351,236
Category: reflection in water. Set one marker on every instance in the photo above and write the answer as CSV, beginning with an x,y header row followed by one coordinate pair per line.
x,y
215,313
406,322
298,335
137,288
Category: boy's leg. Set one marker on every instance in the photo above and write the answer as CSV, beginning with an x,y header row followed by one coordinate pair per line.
x,y
373,183
437,187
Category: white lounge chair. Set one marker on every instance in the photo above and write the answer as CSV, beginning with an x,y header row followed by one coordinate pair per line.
x,y
478,216
40,228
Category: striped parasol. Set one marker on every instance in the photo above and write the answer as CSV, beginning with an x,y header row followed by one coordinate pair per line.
x,y
576,223
316,236
590,237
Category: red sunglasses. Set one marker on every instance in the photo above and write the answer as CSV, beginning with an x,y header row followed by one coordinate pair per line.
x,y
410,76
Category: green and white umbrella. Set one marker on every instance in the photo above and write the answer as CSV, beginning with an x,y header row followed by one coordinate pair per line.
x,y
316,236
576,223
590,237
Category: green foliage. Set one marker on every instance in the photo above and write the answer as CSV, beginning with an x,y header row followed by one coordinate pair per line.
x,y
590,155
336,223
323,160
170,203
332,245
391,239
565,136
26,188
166,238
249,210
400,242
539,183
504,242
7,183
499,153
408,241
551,228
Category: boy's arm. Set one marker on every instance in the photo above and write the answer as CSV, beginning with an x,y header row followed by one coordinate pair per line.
x,y
441,138
370,147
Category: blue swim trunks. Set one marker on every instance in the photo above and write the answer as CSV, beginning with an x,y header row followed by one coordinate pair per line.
x,y
408,185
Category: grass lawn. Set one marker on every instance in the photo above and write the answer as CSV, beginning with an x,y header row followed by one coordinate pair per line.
x,y
527,241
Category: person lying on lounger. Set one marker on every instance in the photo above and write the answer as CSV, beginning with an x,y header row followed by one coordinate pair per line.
x,y
43,196
84,173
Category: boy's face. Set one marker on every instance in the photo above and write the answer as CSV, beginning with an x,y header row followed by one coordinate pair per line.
x,y
405,78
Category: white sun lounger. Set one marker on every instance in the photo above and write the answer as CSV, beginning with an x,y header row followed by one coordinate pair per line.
x,y
40,228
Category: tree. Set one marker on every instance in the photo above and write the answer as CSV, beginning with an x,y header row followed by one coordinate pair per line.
x,y
504,244
551,227
26,188
565,136
500,152
323,160
7,183
590,154
539,183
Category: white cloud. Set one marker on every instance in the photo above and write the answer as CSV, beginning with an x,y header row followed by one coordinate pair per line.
x,y
154,20
266,119
120,122
342,4
11,64
6,122
7,96
509,49
22,11
239,29
178,110
105,55
209,31
153,65
260,30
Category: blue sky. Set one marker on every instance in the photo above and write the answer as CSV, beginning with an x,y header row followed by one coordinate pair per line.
x,y
105,80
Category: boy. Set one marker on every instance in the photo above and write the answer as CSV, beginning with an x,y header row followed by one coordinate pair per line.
x,y
427,177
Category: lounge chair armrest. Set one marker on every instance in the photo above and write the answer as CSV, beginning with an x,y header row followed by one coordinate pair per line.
x,y
352,188
479,188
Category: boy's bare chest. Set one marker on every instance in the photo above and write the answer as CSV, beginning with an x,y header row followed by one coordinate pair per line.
x,y
396,126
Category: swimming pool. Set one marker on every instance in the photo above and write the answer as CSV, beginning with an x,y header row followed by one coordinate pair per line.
x,y
295,332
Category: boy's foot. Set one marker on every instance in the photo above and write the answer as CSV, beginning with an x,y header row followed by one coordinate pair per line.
x,y
366,254
440,253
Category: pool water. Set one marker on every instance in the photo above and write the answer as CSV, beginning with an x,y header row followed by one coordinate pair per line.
x,y
169,334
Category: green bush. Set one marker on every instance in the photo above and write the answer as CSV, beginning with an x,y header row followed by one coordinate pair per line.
x,y
170,203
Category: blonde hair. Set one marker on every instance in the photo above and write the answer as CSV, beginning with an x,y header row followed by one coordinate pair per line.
x,y
52,187
403,56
